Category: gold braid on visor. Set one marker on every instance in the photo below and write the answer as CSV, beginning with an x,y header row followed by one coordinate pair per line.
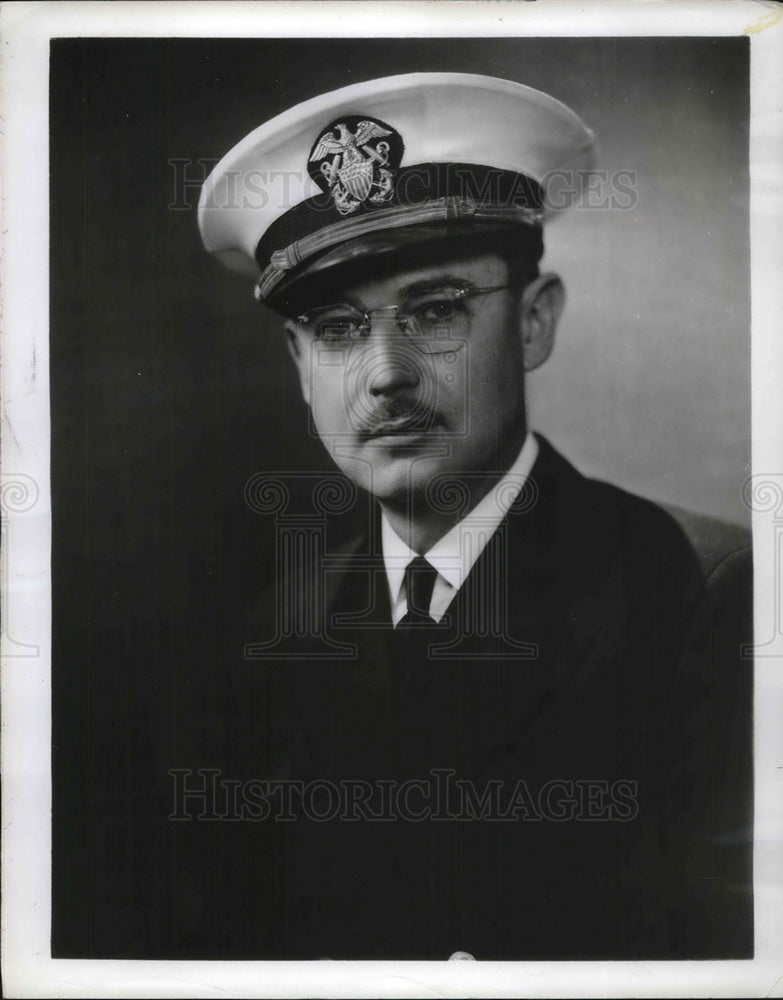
x,y
439,210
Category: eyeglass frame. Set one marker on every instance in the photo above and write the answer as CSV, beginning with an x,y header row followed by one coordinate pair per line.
x,y
461,294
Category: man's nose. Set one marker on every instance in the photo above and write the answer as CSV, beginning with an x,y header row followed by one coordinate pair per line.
x,y
392,362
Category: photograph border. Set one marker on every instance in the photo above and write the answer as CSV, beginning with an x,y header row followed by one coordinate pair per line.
x,y
26,509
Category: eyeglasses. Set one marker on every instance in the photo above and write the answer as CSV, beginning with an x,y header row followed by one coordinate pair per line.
x,y
436,321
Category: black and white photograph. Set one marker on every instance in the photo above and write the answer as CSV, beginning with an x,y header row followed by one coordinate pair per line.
x,y
412,576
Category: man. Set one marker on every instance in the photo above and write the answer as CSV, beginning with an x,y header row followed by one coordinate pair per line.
x,y
525,688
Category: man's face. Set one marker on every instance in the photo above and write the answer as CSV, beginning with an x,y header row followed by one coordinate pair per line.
x,y
397,407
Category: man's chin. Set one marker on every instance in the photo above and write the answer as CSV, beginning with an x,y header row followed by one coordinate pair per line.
x,y
390,470
398,471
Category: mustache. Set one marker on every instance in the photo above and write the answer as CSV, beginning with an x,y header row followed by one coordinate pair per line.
x,y
396,416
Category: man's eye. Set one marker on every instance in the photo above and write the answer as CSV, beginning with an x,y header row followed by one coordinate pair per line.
x,y
336,330
437,310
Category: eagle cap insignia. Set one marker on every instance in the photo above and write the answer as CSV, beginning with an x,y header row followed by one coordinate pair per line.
x,y
355,159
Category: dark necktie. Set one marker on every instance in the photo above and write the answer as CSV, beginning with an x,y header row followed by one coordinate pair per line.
x,y
419,584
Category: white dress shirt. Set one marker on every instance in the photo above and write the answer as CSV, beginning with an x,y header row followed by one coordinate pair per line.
x,y
454,555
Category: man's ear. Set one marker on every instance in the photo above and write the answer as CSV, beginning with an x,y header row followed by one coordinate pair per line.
x,y
300,356
542,303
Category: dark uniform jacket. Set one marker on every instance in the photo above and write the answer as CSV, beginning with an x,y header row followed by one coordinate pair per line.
x,y
566,760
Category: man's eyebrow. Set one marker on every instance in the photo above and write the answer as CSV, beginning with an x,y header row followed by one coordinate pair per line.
x,y
435,283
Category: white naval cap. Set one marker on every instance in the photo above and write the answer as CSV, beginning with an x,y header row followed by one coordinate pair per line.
x,y
409,157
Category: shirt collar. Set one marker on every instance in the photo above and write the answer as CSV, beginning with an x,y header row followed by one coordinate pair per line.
x,y
455,555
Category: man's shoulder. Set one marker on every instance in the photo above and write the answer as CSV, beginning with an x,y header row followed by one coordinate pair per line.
x,y
718,548
719,545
